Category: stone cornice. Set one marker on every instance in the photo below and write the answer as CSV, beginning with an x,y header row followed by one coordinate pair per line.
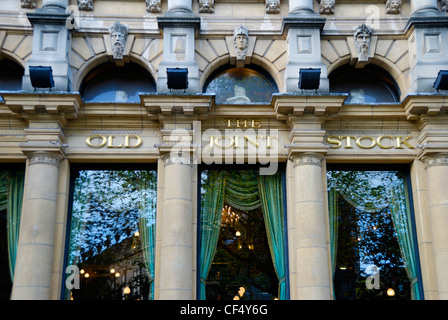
x,y
184,104
286,105
59,107
424,104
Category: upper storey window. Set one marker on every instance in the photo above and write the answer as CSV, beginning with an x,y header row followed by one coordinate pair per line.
x,y
116,84
10,76
364,86
241,86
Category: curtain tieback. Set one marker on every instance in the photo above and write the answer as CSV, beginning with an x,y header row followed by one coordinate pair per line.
x,y
281,280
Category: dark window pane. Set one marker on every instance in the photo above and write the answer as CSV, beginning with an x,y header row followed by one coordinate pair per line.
x,y
373,248
112,234
119,85
369,85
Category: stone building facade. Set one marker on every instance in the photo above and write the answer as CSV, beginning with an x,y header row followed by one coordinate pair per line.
x,y
306,130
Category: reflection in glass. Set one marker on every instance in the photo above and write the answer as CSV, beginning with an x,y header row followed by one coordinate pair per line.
x,y
120,85
242,253
241,86
11,197
112,234
370,85
372,243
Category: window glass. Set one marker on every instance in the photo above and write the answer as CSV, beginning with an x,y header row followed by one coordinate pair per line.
x,y
243,248
374,252
116,84
10,76
364,86
11,197
241,86
112,235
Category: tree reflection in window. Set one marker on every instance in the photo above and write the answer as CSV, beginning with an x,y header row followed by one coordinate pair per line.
x,y
241,86
372,242
112,234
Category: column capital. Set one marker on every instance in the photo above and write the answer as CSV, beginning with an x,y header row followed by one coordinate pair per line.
x,y
437,159
44,157
177,158
306,158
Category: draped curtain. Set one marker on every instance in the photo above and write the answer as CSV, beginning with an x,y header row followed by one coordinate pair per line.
x,y
11,199
244,190
271,195
147,222
373,192
212,196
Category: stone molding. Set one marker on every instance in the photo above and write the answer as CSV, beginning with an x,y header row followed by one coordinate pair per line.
x,y
44,157
440,159
302,159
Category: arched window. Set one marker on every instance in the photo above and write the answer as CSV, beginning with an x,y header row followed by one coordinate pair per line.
x,y
10,76
364,86
241,85
109,83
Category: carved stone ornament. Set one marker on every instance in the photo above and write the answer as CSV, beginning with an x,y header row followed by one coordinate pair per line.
x,y
153,6
118,34
444,5
85,5
28,4
362,36
206,6
393,6
241,41
273,6
327,6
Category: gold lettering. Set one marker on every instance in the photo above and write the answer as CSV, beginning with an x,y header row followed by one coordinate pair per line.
x,y
102,144
247,138
128,138
372,143
110,143
332,140
224,146
256,123
349,143
405,142
380,144
229,121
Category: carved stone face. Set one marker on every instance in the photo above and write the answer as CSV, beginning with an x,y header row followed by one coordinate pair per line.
x,y
241,42
393,6
207,6
272,6
327,6
153,6
85,5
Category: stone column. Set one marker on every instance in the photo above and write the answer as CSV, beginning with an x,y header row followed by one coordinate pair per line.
x,y
437,176
424,6
33,272
176,265
179,5
301,6
311,253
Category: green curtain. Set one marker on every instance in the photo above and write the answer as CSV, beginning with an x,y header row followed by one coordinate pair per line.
x,y
212,196
14,212
11,199
271,196
398,196
147,222
242,189
372,191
